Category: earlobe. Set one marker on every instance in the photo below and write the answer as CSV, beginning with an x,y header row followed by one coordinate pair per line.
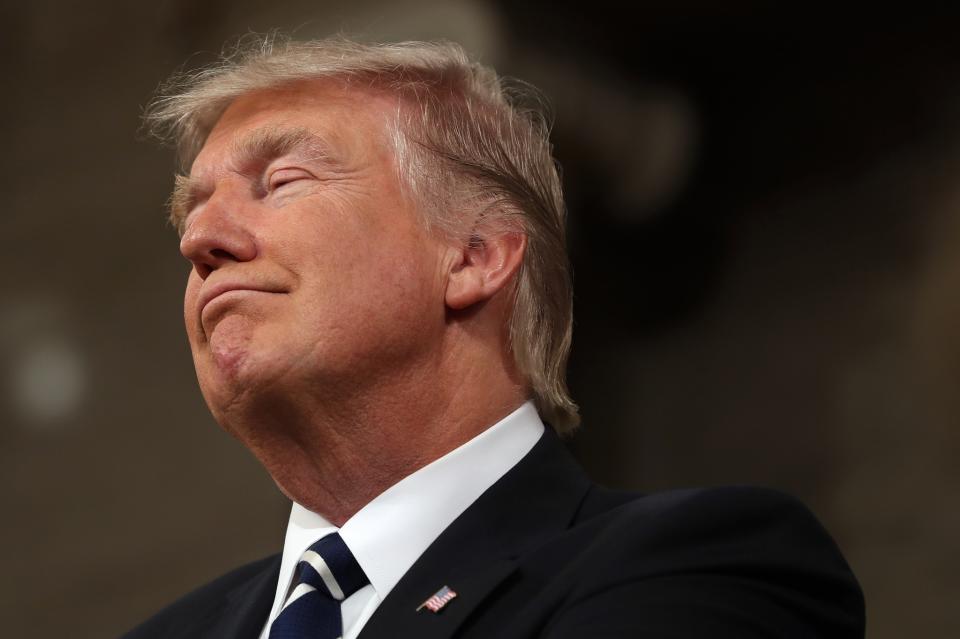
x,y
482,267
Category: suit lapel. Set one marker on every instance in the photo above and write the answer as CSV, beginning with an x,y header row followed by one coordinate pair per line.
x,y
533,502
247,606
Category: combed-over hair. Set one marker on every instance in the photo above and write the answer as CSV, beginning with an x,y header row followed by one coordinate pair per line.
x,y
471,147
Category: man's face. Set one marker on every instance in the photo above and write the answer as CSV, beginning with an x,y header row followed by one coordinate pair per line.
x,y
312,274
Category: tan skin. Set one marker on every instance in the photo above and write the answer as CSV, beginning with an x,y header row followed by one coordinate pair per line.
x,y
336,337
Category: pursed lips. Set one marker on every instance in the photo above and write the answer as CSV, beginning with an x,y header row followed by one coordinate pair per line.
x,y
208,294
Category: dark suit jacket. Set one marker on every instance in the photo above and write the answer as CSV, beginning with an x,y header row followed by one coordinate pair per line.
x,y
546,553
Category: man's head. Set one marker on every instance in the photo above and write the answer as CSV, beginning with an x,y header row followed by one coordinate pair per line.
x,y
340,176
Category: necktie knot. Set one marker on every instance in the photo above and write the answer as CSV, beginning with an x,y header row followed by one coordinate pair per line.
x,y
329,573
330,567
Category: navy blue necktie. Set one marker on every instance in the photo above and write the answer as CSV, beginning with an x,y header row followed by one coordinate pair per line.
x,y
328,575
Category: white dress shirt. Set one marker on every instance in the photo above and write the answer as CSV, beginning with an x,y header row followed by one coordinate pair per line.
x,y
391,532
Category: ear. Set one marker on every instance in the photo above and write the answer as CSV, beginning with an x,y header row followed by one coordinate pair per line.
x,y
484,266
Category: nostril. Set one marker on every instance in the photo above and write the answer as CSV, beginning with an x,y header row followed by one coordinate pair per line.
x,y
221,254
212,260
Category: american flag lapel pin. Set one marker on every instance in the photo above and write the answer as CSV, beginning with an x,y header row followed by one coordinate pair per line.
x,y
439,599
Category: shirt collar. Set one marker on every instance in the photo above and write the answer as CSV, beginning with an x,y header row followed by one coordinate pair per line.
x,y
391,532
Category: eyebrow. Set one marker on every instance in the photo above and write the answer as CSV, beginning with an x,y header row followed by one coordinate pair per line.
x,y
256,149
270,143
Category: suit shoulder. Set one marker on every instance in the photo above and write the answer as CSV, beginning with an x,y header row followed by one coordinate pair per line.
x,y
714,542
733,525
185,616
713,511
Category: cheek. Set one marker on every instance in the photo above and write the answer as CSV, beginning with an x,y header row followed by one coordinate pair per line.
x,y
402,278
190,296
191,318
373,292
363,268
407,290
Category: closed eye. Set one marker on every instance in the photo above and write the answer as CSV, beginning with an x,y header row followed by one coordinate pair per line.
x,y
283,177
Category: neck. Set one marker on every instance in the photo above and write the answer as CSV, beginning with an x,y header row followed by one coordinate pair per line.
x,y
334,454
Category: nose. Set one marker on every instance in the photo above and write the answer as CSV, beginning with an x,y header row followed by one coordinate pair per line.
x,y
217,236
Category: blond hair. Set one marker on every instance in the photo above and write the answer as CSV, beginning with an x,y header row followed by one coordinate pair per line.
x,y
465,140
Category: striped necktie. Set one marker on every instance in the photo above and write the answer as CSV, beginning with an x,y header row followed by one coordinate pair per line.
x,y
328,575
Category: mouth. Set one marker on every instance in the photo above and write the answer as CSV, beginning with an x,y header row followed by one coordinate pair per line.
x,y
227,290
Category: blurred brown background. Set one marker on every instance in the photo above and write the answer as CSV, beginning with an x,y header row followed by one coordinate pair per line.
x,y
765,229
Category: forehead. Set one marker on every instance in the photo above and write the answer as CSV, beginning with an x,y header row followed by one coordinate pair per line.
x,y
350,119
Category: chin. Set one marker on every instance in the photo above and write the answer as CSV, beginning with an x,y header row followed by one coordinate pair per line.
x,y
239,382
225,372
228,345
